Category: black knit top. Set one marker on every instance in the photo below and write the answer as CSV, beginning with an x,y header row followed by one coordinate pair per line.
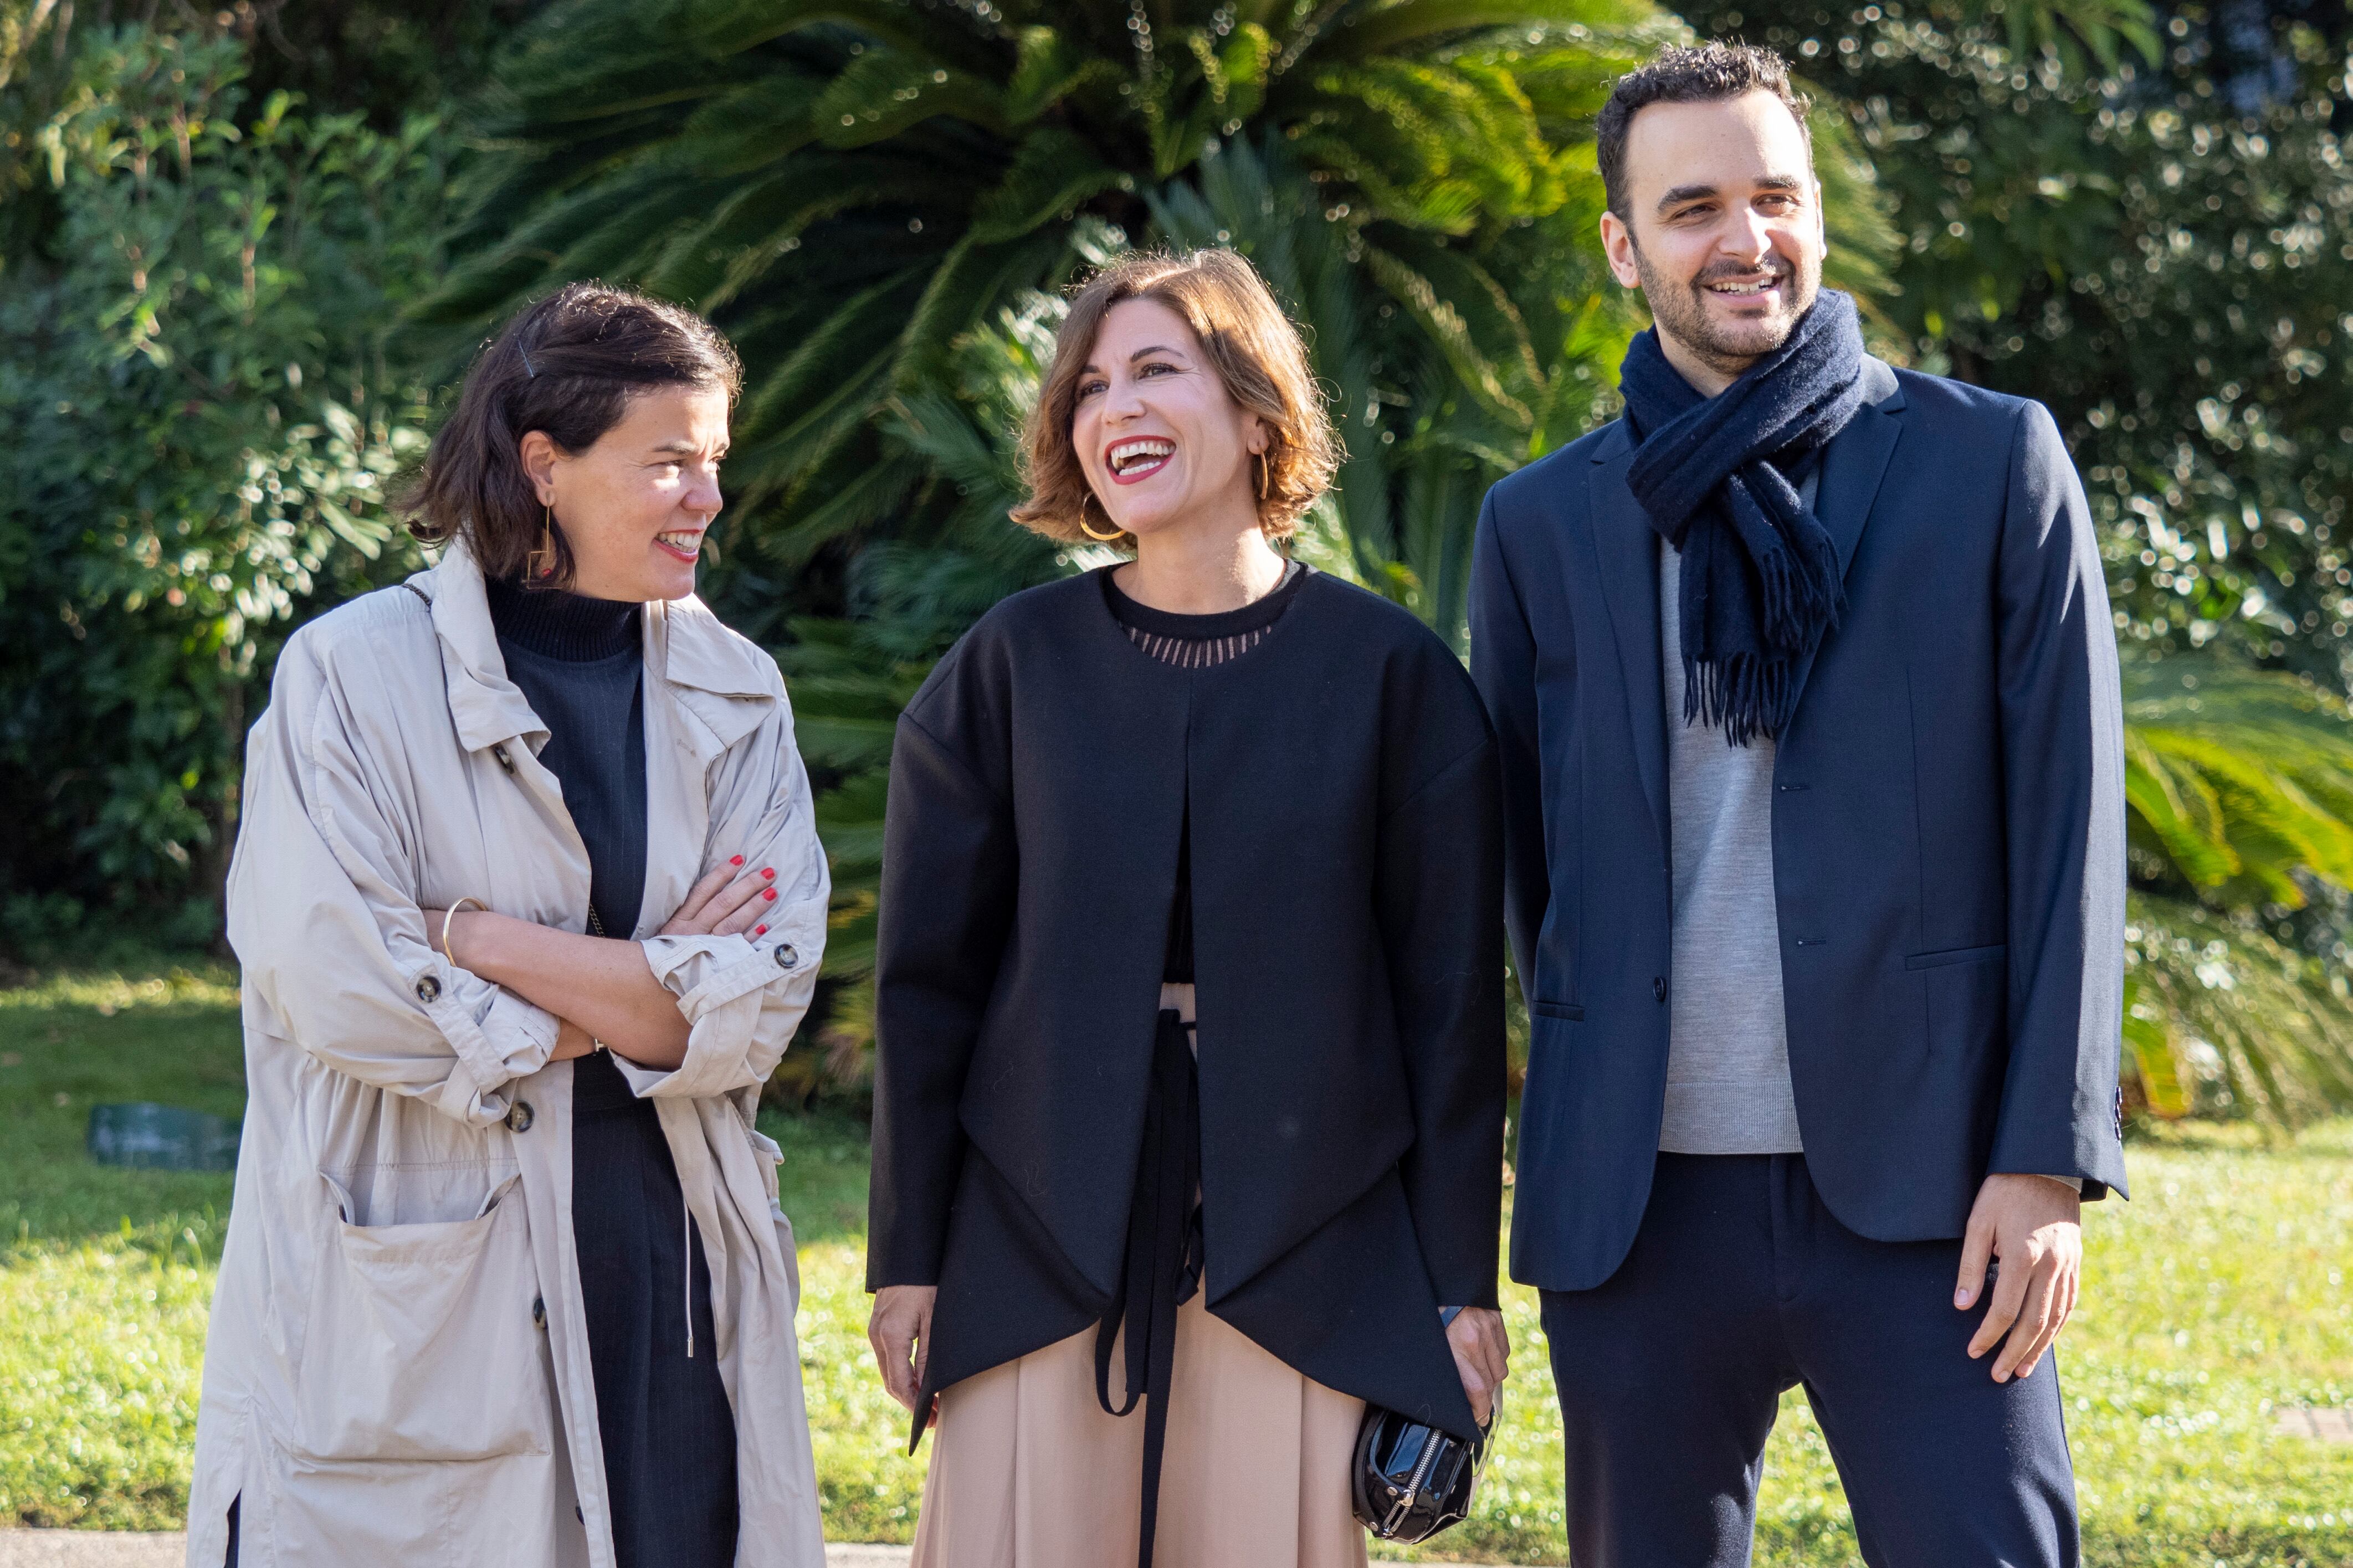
x,y
580,662
1197,642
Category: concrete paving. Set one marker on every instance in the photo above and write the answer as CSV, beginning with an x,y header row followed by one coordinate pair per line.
x,y
125,1549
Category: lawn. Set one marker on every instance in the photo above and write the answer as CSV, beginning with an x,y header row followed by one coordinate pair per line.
x,y
2215,1299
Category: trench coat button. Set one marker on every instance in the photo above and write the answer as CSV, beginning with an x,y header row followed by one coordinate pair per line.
x,y
428,989
786,956
518,1116
1659,986
504,761
539,1312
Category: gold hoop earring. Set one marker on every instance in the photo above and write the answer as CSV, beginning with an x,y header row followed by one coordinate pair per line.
x,y
541,563
1116,533
1265,472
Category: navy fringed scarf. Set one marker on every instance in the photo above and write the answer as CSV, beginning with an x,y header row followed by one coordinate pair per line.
x,y
1719,477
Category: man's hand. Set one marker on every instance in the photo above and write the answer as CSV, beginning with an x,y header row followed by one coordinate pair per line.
x,y
2034,1226
901,1334
1482,1355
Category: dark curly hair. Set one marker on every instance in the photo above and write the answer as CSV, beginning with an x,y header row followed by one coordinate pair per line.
x,y
1677,74
566,365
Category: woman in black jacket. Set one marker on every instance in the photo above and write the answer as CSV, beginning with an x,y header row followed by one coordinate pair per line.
x,y
1207,767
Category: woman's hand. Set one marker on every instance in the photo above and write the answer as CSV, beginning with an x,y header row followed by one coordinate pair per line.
x,y
719,907
901,1334
1482,1357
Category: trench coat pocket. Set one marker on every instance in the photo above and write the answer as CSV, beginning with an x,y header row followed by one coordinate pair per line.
x,y
771,1155
421,1342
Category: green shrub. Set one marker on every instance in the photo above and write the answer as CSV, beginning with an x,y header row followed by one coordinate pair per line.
x,y
201,420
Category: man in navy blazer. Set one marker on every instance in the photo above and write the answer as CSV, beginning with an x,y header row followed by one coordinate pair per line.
x,y
1806,686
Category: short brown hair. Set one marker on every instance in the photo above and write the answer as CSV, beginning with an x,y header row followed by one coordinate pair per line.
x,y
566,365
1257,353
1678,74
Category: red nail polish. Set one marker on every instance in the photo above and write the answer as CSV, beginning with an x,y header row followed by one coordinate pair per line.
x,y
771,893
738,860
768,871
759,931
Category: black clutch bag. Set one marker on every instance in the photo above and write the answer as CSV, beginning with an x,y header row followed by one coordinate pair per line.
x,y
1413,1480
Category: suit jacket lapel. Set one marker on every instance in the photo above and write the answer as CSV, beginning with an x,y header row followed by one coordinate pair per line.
x,y
1628,549
1851,470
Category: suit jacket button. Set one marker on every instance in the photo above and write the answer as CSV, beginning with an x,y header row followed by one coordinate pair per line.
x,y
518,1116
1659,986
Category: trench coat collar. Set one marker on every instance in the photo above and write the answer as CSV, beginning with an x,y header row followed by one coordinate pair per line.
x,y
1852,467
725,685
487,708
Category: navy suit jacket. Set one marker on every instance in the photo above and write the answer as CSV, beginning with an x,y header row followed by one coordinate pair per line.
x,y
1948,855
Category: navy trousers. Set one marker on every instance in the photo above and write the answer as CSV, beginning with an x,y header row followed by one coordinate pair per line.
x,y
1742,1285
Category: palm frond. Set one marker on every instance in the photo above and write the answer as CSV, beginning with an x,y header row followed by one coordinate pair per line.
x,y
2223,1017
2240,780
1419,23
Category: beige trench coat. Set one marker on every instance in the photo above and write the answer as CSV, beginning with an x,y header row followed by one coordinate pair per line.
x,y
397,1369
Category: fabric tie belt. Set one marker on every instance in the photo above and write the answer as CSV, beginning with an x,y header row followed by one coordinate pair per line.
x,y
1164,1254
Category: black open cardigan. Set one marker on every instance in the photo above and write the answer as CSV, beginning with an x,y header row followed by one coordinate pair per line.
x,y
1346,884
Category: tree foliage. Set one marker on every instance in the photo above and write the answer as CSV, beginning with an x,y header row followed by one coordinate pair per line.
x,y
201,421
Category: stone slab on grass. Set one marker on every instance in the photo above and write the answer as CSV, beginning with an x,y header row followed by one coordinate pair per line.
x,y
2322,1426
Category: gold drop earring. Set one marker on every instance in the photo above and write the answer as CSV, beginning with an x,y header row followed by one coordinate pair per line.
x,y
541,563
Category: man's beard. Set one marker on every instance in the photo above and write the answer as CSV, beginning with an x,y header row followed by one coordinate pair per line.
x,y
1681,313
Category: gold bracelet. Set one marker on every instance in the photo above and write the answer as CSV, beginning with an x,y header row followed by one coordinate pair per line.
x,y
451,914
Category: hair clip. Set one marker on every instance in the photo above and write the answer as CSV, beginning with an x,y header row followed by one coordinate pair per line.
x,y
529,372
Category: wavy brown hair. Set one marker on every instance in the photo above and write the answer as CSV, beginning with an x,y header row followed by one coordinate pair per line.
x,y
567,364
1255,351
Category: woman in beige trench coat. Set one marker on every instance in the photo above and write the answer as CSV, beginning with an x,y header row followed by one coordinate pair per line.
x,y
399,1367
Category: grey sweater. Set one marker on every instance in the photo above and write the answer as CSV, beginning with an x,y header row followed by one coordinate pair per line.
x,y
1727,1037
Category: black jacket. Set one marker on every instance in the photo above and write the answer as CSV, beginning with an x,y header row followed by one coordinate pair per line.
x,y
1948,858
1346,869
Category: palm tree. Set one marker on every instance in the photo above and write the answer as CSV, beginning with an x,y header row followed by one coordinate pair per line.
x,y
853,186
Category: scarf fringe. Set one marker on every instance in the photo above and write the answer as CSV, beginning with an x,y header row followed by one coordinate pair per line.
x,y
1803,599
1746,695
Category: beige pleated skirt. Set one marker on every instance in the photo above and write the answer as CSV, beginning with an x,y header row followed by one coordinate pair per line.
x,y
1027,1471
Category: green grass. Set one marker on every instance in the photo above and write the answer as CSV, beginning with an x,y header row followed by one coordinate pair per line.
x,y
2219,1296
